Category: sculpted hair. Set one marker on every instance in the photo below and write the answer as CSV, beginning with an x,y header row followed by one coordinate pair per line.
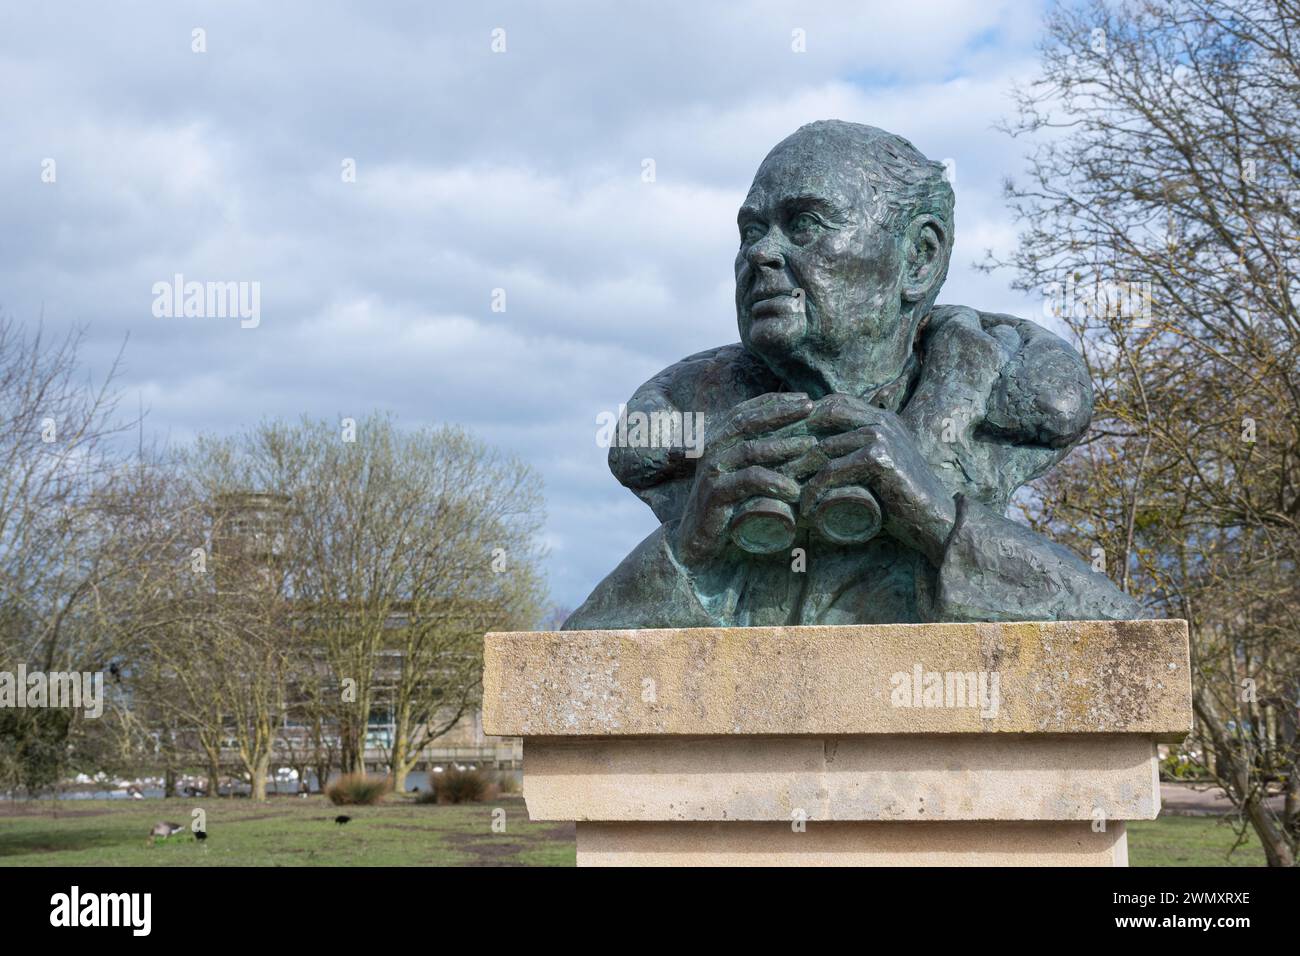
x,y
904,182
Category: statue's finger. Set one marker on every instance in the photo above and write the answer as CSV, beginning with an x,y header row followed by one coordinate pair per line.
x,y
764,451
762,414
845,443
806,465
755,482
838,413
863,467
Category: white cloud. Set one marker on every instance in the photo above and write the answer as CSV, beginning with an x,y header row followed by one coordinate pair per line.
x,y
476,171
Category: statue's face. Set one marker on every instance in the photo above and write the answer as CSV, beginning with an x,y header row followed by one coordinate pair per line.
x,y
818,282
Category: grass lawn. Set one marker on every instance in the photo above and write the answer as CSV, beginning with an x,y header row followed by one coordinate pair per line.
x,y
1189,841
293,832
280,832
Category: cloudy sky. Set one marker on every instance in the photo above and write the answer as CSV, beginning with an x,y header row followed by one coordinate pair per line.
x,y
475,170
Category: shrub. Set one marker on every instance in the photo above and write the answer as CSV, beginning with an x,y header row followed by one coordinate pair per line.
x,y
1178,766
356,789
459,786
506,782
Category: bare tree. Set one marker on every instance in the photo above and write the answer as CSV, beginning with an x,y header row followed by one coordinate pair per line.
x,y
290,572
59,542
1161,220
399,550
469,567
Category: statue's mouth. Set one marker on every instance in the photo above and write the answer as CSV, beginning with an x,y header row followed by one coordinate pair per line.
x,y
764,302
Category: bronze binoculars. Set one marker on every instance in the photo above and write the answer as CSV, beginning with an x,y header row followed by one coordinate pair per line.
x,y
849,515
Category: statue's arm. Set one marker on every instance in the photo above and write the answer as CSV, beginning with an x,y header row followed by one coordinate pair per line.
x,y
994,569
650,588
709,383
1021,398
1000,401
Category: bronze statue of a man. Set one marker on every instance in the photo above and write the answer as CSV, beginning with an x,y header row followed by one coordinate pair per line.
x,y
861,444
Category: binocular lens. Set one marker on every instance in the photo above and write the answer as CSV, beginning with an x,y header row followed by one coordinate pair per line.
x,y
847,516
763,526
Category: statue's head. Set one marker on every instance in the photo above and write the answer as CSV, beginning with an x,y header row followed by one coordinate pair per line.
x,y
845,238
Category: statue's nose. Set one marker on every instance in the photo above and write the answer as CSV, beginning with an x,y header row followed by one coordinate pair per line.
x,y
766,253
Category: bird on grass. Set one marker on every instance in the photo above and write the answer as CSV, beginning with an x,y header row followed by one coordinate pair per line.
x,y
342,819
163,830
200,834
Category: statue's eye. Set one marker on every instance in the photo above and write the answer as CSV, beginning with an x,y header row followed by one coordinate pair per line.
x,y
752,232
803,221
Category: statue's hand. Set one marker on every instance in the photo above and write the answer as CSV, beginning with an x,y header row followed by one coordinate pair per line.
x,y
872,448
738,464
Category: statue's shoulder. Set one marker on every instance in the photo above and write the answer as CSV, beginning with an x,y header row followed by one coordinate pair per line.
x,y
1041,393
712,380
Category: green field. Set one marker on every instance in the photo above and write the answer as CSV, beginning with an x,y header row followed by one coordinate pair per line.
x,y
292,832
283,832
1189,841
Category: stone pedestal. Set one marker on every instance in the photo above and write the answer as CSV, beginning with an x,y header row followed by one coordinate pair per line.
x,y
930,744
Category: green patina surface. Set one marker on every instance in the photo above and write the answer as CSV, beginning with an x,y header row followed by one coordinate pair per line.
x,y
860,444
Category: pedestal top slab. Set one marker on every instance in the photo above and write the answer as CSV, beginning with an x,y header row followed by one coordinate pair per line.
x,y
1051,677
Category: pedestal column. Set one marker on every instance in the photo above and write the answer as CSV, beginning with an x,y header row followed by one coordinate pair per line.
x,y
938,744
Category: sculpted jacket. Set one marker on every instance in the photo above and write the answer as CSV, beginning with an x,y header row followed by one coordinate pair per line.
x,y
993,401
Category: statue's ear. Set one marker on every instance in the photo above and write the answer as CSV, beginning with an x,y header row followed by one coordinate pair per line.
x,y
923,257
